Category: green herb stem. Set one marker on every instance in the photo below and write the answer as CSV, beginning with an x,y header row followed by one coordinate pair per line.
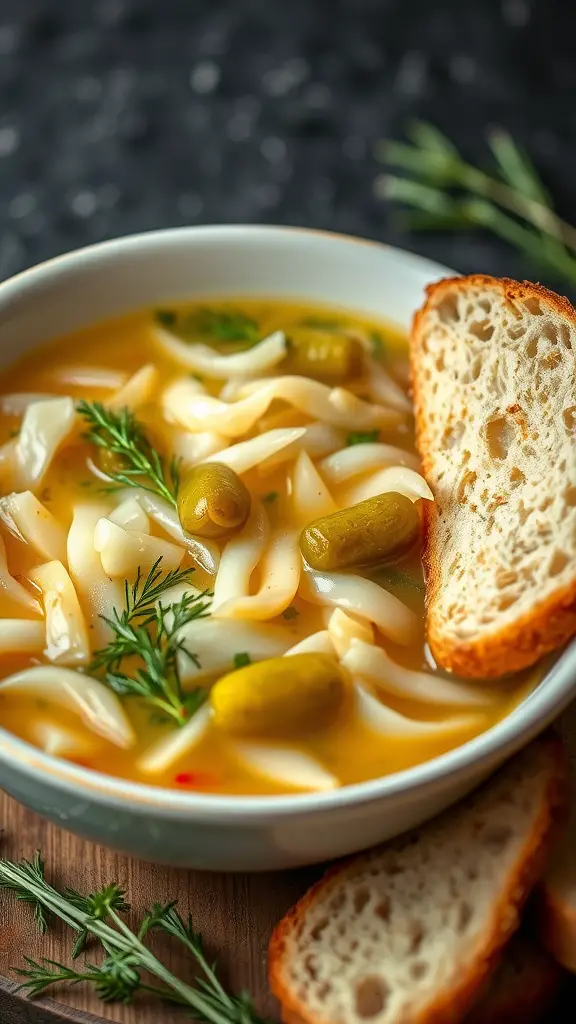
x,y
140,464
117,977
450,193
147,630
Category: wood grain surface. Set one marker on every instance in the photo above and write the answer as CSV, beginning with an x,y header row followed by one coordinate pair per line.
x,y
235,914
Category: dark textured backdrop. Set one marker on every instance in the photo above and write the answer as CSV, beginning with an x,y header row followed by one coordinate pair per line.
x,y
124,115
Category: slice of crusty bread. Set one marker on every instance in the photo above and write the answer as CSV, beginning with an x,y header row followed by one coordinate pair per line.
x,y
523,988
557,892
494,381
410,931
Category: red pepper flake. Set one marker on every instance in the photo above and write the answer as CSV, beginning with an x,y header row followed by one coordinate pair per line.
x,y
80,762
195,779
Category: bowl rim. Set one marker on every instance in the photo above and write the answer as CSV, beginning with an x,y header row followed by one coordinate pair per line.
x,y
542,705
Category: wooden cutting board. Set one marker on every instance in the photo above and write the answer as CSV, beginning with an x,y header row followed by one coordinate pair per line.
x,y
235,914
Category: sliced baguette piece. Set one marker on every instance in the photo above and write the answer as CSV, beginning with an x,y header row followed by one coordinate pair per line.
x,y
493,365
410,931
523,988
557,903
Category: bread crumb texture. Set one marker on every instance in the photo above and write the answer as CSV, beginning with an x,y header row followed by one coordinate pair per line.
x,y
409,931
494,376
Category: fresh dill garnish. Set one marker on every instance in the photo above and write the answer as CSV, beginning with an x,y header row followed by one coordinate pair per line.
x,y
270,498
290,613
223,326
14,432
141,597
141,466
212,324
118,978
242,659
98,906
30,873
196,376
362,437
147,630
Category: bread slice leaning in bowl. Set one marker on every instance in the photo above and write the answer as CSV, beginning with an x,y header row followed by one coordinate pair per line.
x,y
494,379
410,931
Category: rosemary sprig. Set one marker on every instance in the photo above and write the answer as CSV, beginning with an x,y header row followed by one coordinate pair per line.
x,y
140,465
149,632
118,976
448,193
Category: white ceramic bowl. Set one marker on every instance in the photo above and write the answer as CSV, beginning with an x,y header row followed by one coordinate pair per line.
x,y
218,832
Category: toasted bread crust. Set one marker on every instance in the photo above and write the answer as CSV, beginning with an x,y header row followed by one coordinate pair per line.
x,y
557,920
549,624
523,996
450,1006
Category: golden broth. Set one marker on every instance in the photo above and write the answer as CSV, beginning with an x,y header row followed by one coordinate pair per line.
x,y
346,747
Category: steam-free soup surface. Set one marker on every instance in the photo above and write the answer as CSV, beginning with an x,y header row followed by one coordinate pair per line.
x,y
326,397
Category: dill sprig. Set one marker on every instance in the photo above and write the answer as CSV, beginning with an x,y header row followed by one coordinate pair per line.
x,y
447,192
148,631
117,978
140,465
30,872
214,324
146,591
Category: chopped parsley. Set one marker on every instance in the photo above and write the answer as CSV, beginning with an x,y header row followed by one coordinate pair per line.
x,y
223,326
362,437
270,498
242,659
217,325
290,613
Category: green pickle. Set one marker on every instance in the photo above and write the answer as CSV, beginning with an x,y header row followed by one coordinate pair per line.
x,y
278,697
325,355
377,529
212,501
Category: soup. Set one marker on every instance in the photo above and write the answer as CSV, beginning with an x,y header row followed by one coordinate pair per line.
x,y
210,554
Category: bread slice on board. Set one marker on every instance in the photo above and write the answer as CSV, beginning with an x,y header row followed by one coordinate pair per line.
x,y
410,931
494,380
557,904
523,988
